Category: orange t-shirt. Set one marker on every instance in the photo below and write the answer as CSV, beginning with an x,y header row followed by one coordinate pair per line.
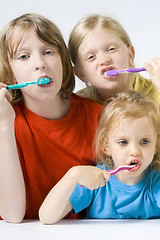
x,y
49,148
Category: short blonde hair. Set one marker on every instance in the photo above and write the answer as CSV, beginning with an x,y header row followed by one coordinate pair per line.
x,y
89,23
130,104
47,32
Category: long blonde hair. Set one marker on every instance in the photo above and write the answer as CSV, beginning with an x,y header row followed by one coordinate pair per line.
x,y
89,23
47,32
125,105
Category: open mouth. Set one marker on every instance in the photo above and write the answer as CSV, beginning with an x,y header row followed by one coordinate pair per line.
x,y
51,81
106,69
135,163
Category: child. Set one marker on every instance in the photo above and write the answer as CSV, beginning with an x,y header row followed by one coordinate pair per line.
x,y
128,133
46,129
100,43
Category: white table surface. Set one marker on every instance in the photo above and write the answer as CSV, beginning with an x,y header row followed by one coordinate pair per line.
x,y
82,229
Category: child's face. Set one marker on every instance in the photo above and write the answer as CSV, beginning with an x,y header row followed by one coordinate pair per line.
x,y
132,140
102,50
35,59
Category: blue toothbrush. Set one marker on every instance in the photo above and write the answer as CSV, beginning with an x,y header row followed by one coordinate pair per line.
x,y
40,81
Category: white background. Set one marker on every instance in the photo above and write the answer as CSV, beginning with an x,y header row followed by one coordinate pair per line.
x,y
140,18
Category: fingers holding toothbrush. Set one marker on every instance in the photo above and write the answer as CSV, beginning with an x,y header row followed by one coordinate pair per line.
x,y
3,85
153,68
91,177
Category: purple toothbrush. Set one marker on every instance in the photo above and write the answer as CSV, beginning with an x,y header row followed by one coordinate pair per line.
x,y
120,168
115,72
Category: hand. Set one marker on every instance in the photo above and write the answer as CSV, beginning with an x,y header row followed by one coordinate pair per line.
x,y
90,177
153,67
7,114
2,85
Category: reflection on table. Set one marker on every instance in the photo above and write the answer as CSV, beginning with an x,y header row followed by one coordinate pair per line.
x,y
82,229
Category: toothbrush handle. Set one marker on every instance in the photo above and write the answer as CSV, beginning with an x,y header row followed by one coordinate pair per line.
x,y
112,172
19,85
116,170
134,70
16,86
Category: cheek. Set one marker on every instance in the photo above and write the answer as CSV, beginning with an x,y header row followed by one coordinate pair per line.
x,y
84,65
18,70
156,150
15,74
83,68
125,58
60,68
86,73
150,154
56,68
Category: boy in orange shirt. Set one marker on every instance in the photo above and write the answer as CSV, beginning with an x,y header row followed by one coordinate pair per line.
x,y
45,129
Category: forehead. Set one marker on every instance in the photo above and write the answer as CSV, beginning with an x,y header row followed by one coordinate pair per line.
x,y
133,126
16,37
98,37
24,38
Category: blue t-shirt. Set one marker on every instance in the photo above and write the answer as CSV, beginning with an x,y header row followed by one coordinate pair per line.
x,y
117,200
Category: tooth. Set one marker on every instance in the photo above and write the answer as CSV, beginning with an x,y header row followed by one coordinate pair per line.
x,y
134,162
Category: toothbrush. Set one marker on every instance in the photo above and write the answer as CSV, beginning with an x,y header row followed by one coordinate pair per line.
x,y
115,72
40,81
120,168
116,170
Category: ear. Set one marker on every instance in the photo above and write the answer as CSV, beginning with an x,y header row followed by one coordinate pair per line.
x,y
108,152
131,55
78,73
106,149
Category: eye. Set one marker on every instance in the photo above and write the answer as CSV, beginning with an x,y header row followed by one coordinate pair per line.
x,y
123,142
144,141
112,49
23,57
90,57
49,52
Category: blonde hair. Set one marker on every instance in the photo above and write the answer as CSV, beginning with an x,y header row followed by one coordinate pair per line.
x,y
47,32
89,23
125,105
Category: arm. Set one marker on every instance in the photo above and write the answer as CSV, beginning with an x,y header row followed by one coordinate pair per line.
x,y
57,205
153,67
12,189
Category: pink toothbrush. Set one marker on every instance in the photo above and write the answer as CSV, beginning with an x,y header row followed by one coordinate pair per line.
x,y
120,168
115,72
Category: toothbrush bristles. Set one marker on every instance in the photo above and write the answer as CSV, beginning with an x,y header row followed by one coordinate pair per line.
x,y
42,81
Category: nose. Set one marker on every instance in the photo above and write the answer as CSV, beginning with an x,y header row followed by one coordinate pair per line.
x,y
104,59
39,63
134,150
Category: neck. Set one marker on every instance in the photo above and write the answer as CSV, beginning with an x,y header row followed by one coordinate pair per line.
x,y
104,94
53,109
